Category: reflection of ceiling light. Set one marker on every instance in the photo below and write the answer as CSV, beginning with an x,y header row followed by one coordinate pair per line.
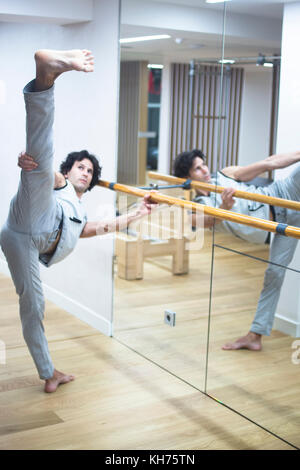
x,y
268,64
217,1
144,38
178,40
226,61
155,66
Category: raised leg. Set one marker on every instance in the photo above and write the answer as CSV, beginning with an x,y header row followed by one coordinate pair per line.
x,y
34,210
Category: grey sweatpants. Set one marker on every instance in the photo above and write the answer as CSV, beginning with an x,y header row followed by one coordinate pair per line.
x,y
282,250
32,224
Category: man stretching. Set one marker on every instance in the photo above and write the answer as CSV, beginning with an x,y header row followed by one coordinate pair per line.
x,y
192,165
44,225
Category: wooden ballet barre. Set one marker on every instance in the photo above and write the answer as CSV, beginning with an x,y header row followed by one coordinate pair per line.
x,y
273,201
268,225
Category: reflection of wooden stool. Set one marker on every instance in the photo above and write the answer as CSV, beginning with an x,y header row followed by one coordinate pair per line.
x,y
131,251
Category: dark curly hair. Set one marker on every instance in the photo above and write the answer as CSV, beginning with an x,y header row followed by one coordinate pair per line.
x,y
73,157
184,162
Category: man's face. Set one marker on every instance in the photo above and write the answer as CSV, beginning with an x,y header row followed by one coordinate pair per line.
x,y
199,171
81,175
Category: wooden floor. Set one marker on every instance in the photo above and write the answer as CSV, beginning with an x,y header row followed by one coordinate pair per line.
x,y
249,382
121,400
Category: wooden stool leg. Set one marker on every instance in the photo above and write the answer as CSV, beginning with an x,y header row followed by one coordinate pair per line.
x,y
180,263
139,258
180,257
129,258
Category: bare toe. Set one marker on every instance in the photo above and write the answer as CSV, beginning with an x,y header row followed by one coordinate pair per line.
x,y
59,378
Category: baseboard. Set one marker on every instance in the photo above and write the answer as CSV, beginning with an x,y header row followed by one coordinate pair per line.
x,y
69,305
287,326
78,310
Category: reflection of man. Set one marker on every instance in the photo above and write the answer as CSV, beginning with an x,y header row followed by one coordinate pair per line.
x,y
44,225
192,165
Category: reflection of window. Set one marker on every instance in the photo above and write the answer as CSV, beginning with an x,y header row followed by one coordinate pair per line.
x,y
154,93
215,119
154,84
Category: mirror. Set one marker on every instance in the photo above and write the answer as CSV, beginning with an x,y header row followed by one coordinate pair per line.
x,y
256,374
163,268
176,306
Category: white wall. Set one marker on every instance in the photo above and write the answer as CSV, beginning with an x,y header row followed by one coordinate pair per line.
x,y
255,116
86,117
188,18
55,12
288,139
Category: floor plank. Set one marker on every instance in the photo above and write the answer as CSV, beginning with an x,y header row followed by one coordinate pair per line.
x,y
261,385
121,400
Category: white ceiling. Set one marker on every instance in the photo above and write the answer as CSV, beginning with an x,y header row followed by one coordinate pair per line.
x,y
262,8
203,45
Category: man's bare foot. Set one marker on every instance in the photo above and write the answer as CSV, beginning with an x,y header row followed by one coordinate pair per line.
x,y
58,378
251,341
50,64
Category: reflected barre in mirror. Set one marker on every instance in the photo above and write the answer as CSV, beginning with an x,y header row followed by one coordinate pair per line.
x,y
275,201
267,225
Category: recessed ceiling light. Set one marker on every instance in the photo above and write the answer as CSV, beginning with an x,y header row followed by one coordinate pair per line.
x,y
144,38
226,61
217,1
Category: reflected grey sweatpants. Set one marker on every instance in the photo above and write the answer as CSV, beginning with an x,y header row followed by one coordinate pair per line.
x,y
32,224
282,250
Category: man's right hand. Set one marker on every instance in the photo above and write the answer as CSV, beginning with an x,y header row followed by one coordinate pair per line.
x,y
26,162
227,198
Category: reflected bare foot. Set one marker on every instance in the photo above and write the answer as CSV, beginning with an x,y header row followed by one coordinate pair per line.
x,y
59,378
251,341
